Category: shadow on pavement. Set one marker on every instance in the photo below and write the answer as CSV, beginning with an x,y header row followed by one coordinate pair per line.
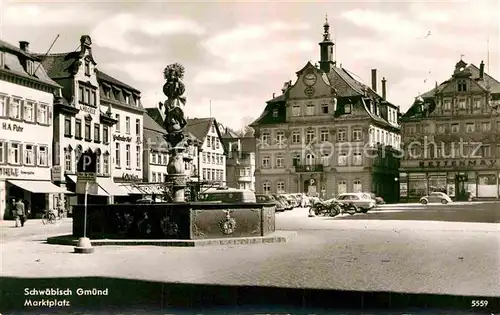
x,y
126,295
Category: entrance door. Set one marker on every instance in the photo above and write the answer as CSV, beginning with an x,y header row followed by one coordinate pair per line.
x,y
460,188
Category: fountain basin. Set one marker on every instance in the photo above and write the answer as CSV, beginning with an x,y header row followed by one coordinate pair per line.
x,y
182,221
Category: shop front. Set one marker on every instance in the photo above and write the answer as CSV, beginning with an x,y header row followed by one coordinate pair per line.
x,y
460,179
107,191
130,182
32,185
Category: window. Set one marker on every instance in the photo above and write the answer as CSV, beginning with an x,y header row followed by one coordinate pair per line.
x,y
127,155
455,128
98,164
204,157
447,104
486,126
310,135
43,154
87,131
341,187
296,137
78,128
280,161
15,153
325,158
280,137
3,149
29,111
280,187
3,103
42,114
97,131
295,110
266,187
212,128
323,135
440,129
81,94
29,154
310,110
127,125
87,67
324,108
209,141
469,127
310,159
265,138
485,151
342,158
117,126
87,96
138,127
461,104
105,135
266,162
216,142
341,135
275,113
296,159
213,158
138,157
347,108
461,86
67,126
127,98
356,134
153,177
93,100
357,187
15,108
477,103
117,155
357,158
67,160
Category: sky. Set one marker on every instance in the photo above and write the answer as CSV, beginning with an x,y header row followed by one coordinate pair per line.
x,y
237,54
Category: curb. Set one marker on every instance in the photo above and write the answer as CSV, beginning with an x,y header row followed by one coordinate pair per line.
x,y
276,237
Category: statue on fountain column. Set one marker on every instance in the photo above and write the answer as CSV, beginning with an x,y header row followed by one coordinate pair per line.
x,y
174,123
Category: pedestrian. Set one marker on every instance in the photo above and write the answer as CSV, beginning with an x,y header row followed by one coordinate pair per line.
x,y
60,207
20,213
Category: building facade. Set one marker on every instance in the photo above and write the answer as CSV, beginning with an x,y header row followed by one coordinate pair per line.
x,y
451,138
240,160
26,131
210,152
328,134
84,121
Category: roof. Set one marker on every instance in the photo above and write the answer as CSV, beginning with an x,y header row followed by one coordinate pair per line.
x,y
60,65
101,76
156,114
199,127
150,124
16,50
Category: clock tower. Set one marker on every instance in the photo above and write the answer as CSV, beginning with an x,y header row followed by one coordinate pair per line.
x,y
326,49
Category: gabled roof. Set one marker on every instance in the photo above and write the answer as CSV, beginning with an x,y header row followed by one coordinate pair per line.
x,y
199,127
60,65
150,124
156,114
101,76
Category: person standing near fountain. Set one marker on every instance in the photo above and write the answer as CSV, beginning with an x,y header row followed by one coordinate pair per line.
x,y
175,123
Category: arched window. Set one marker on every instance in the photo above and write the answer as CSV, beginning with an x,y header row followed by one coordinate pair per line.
x,y
266,187
309,159
341,187
280,187
68,159
357,186
105,163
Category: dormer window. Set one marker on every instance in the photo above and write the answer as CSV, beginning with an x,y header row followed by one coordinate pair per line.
x,y
461,86
275,113
127,98
87,67
30,67
347,108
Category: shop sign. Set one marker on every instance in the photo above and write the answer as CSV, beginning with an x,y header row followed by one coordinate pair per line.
x,y
10,172
12,127
130,177
464,163
122,138
88,109
403,190
56,173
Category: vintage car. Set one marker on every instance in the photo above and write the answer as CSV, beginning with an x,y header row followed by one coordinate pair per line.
x,y
270,199
435,197
362,201
227,195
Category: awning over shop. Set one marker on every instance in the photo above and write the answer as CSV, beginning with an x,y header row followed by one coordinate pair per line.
x,y
150,189
39,186
132,189
111,187
100,191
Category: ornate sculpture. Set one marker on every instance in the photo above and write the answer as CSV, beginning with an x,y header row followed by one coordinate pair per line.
x,y
174,123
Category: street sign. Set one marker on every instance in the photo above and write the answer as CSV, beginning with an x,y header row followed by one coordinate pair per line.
x,y
86,174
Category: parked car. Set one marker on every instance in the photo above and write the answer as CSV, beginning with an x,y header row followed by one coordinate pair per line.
x,y
362,201
292,200
270,199
286,204
435,197
227,195
378,200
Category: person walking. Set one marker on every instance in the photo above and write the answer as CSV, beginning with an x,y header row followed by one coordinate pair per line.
x,y
20,213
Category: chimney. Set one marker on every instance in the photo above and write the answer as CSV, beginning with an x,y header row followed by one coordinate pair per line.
x,y
481,70
384,91
24,46
274,95
374,80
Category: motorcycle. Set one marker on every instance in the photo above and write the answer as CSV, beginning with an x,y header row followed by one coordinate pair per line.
x,y
325,208
348,208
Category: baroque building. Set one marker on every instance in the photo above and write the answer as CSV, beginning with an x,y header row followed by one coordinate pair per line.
x,y
240,160
328,134
26,130
85,120
451,137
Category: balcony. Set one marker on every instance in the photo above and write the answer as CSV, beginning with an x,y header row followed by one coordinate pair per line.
x,y
309,168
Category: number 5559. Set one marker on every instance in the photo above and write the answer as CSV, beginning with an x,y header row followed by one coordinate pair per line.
x,y
479,303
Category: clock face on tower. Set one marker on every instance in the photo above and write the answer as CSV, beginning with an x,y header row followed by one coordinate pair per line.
x,y
310,79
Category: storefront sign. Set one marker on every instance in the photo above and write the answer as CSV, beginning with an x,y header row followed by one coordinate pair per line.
x,y
403,190
12,127
122,138
56,173
87,109
9,172
130,177
464,163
